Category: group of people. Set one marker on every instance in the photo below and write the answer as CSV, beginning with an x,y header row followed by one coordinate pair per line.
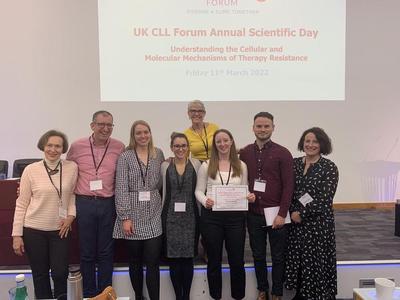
x,y
161,206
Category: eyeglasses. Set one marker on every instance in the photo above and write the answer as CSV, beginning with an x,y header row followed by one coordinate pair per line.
x,y
183,146
102,125
197,111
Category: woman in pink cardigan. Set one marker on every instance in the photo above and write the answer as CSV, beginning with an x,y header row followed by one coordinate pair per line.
x,y
43,215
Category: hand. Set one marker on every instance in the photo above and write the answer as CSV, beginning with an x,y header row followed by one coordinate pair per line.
x,y
278,222
209,203
295,216
127,227
65,226
251,198
18,245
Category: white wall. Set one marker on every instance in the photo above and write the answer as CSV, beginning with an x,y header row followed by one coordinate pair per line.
x,y
49,78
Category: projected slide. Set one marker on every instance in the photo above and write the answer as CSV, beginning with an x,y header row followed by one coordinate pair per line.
x,y
222,50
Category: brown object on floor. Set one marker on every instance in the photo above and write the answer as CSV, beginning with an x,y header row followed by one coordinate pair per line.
x,y
107,294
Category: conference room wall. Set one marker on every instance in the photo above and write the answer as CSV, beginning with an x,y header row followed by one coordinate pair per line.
x,y
49,78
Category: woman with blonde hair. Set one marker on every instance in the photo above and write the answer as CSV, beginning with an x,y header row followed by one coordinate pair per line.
x,y
138,206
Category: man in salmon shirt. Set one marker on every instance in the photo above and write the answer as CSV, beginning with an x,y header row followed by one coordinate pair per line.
x,y
96,157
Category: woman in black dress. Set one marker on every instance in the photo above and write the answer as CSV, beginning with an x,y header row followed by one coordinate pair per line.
x,y
311,261
180,215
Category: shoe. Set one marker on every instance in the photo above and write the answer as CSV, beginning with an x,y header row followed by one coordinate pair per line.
x,y
262,295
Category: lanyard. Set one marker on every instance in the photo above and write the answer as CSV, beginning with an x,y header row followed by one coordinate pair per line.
x,y
229,175
180,183
205,143
94,161
143,174
51,172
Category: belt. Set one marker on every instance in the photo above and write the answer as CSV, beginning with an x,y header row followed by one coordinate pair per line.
x,y
94,197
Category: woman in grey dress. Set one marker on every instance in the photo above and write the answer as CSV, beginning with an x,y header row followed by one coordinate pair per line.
x,y
180,215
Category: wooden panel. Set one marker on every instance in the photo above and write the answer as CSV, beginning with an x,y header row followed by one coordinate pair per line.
x,y
8,193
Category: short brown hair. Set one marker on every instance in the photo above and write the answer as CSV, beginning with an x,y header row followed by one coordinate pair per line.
x,y
45,138
264,114
101,112
176,135
325,144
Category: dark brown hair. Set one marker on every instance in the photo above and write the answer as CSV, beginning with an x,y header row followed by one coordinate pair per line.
x,y
176,135
323,139
264,114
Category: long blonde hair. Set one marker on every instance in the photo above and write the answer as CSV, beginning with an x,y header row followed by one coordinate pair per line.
x,y
132,142
233,157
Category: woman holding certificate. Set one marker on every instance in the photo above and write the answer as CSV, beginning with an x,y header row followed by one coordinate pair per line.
x,y
180,215
138,206
311,261
224,177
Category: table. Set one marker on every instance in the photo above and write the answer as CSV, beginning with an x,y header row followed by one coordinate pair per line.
x,y
370,294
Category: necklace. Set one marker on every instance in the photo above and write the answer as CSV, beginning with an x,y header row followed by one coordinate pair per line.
x,y
51,171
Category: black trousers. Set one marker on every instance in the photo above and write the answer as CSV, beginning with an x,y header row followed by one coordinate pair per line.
x,y
145,252
47,251
258,242
181,273
217,228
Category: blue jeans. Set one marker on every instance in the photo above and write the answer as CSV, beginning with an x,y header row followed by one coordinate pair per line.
x,y
258,242
96,217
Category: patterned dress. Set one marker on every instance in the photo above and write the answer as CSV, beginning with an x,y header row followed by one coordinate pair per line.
x,y
311,260
180,228
145,215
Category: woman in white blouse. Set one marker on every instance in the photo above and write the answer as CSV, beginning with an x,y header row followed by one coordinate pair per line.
x,y
217,227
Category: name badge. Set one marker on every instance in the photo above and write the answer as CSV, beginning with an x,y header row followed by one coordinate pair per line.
x,y
62,212
144,196
96,185
305,199
180,206
260,185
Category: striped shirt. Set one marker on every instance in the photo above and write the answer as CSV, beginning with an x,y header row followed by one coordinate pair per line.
x,y
145,215
38,202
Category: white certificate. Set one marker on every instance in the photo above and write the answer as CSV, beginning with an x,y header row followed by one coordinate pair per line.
x,y
230,197
270,214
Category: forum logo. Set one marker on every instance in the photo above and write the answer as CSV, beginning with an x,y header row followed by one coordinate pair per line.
x,y
222,3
